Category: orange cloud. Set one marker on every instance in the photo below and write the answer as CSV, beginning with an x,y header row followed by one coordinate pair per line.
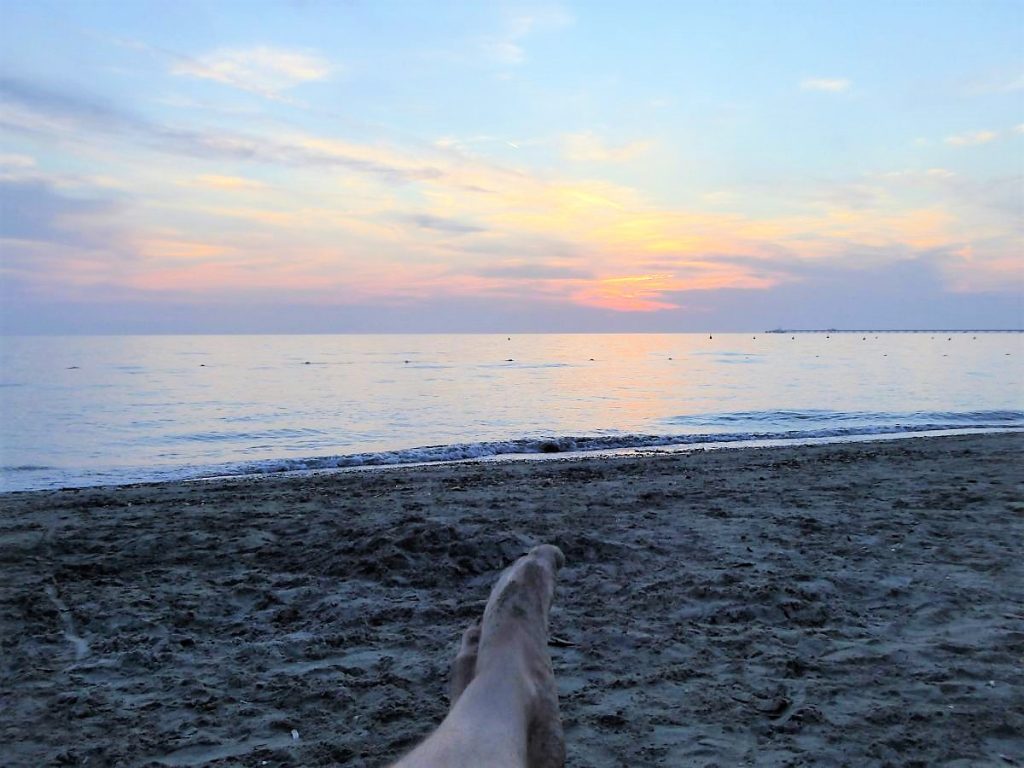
x,y
233,183
353,224
633,293
192,278
646,293
175,250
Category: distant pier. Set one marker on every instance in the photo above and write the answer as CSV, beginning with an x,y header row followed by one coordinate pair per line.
x,y
896,330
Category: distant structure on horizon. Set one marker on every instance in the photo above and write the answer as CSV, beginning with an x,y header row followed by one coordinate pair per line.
x,y
896,330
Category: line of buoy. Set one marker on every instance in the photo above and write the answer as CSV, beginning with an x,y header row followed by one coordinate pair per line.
x,y
512,360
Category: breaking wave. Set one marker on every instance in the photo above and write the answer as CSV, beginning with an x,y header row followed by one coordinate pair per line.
x,y
808,425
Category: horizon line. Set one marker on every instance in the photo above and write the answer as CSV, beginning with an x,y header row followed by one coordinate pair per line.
x,y
710,332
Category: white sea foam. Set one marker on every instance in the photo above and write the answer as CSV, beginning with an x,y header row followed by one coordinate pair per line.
x,y
458,452
1002,420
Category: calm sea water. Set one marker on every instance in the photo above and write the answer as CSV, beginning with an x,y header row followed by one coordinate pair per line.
x,y
95,410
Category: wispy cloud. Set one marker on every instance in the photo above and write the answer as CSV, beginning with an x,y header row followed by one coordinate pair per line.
x,y
262,70
508,48
32,107
233,183
528,271
826,84
45,232
915,174
440,224
587,147
174,250
529,230
18,162
1002,83
505,51
971,138
1016,84
40,110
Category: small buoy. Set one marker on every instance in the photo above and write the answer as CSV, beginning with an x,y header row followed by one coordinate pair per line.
x,y
1006,353
307,363
509,360
72,368
295,735
591,359
711,337
407,361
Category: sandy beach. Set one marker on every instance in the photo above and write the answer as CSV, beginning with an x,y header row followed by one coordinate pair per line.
x,y
834,605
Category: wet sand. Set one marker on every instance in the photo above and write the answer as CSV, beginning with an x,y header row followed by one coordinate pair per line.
x,y
837,605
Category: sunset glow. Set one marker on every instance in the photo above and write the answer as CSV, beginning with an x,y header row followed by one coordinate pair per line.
x,y
521,162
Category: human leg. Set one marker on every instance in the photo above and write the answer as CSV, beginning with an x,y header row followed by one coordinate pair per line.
x,y
505,705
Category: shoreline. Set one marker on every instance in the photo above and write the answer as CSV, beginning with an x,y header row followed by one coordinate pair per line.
x,y
853,603
655,448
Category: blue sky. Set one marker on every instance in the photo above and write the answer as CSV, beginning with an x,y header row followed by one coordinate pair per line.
x,y
335,166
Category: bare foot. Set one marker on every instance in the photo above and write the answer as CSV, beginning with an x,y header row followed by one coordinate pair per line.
x,y
464,666
504,709
515,626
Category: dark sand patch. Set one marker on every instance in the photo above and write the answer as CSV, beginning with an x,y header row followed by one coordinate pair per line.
x,y
847,605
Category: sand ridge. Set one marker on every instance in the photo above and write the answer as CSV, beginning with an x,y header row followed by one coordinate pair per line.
x,y
858,604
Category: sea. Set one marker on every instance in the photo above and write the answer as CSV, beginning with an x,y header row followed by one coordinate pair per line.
x,y
81,411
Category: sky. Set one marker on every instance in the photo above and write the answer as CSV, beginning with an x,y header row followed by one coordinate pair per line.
x,y
364,166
